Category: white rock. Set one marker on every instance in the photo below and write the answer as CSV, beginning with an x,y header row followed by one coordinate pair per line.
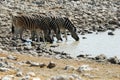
x,y
8,77
4,69
34,64
2,58
84,68
32,74
69,68
58,78
36,78
66,77
12,57
74,77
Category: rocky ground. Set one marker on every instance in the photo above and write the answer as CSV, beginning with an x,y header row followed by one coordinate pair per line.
x,y
20,60
14,66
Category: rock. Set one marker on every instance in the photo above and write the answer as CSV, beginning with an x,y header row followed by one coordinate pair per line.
x,y
35,64
28,62
33,52
8,77
19,74
66,77
58,78
51,65
36,78
74,77
82,56
26,78
54,46
84,37
84,68
4,69
28,47
42,65
11,57
31,74
119,62
3,64
114,60
101,57
19,48
110,33
89,75
112,21
2,58
70,68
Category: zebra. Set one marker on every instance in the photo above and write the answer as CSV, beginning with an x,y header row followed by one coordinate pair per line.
x,y
54,27
23,22
49,21
65,24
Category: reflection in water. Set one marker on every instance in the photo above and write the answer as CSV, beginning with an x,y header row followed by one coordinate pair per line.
x,y
95,44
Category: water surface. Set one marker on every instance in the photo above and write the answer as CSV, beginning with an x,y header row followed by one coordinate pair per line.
x,y
94,44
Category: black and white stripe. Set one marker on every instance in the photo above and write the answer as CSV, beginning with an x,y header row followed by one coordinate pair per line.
x,y
37,25
50,22
65,24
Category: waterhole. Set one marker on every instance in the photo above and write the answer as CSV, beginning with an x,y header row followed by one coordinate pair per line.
x,y
93,44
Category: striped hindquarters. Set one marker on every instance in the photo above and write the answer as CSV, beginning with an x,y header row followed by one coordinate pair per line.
x,y
32,23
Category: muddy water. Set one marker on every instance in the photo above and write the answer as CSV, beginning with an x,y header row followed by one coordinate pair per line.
x,y
94,44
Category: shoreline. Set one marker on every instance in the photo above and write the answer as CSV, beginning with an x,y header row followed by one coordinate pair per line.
x,y
24,65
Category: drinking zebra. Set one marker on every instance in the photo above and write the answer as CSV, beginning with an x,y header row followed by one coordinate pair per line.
x,y
65,24
50,22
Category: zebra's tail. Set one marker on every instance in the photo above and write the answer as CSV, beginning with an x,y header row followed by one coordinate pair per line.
x,y
13,29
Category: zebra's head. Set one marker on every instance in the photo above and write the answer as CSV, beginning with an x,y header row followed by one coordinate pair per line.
x,y
71,28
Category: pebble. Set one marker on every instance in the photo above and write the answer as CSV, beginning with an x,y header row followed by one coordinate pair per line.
x,y
36,78
84,68
31,74
19,74
11,57
66,77
110,33
4,69
3,64
101,57
35,64
8,77
51,65
70,68
114,60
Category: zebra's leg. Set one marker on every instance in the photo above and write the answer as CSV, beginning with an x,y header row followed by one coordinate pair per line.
x,y
15,32
33,34
65,34
21,33
38,35
43,36
52,35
